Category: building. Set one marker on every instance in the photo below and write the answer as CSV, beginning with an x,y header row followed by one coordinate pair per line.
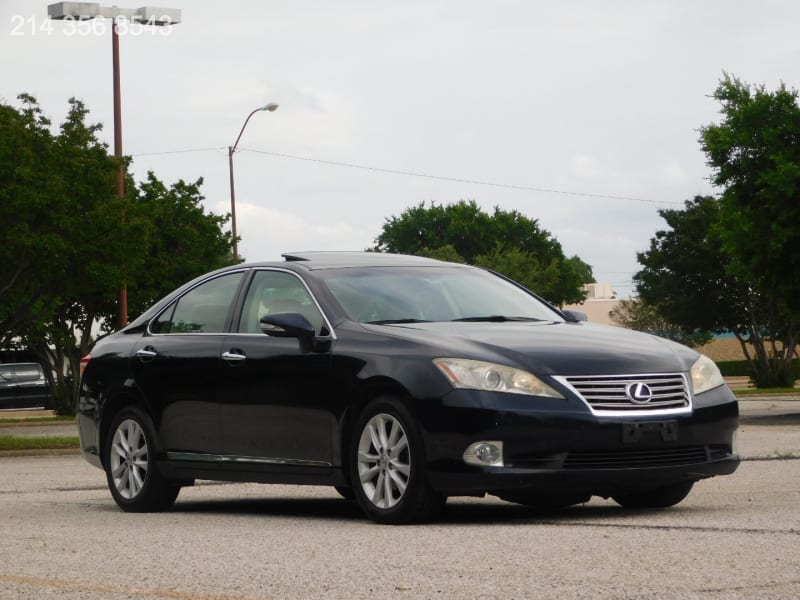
x,y
600,303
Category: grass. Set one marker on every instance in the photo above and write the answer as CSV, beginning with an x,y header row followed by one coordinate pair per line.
x,y
39,443
6,421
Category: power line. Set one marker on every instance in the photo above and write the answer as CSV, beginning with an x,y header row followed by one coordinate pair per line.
x,y
510,186
178,151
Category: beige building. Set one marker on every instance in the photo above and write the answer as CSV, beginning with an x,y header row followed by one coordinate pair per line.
x,y
599,305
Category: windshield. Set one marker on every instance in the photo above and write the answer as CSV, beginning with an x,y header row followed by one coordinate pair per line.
x,y
419,294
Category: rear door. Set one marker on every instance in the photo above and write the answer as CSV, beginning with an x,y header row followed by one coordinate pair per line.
x,y
176,365
30,386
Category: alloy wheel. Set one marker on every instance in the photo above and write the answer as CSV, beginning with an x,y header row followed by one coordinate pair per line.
x,y
384,461
129,459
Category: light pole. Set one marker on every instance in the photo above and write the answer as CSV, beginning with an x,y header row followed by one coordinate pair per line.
x,y
147,15
271,107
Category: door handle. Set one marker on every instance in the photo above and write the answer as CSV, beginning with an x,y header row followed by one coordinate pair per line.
x,y
233,356
146,353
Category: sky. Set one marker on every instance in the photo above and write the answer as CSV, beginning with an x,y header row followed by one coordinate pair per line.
x,y
584,115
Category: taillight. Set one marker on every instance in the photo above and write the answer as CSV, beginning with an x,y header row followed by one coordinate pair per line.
x,y
85,362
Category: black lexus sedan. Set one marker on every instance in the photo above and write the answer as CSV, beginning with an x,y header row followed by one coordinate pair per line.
x,y
400,381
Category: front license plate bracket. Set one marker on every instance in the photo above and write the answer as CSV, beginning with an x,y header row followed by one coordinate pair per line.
x,y
635,431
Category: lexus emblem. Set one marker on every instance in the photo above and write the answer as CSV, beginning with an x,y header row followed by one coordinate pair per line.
x,y
639,393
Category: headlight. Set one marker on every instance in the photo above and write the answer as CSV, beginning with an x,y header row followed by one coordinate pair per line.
x,y
479,375
705,375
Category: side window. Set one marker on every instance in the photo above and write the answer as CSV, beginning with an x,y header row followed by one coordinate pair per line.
x,y
277,292
201,310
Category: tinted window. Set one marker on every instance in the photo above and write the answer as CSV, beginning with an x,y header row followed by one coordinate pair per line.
x,y
21,372
430,294
204,309
28,372
277,292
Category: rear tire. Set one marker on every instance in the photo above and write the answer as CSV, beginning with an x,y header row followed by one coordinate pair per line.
x,y
388,466
662,497
131,471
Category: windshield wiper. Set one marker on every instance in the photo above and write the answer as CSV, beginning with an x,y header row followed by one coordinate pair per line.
x,y
495,319
396,321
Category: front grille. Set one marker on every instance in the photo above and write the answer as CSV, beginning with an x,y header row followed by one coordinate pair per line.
x,y
609,393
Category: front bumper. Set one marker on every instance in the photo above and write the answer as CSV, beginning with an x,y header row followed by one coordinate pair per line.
x,y
552,445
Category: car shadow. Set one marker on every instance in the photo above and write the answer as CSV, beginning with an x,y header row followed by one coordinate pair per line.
x,y
456,512
311,508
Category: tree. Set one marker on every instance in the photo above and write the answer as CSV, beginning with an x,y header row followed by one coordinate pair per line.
x,y
182,240
754,154
90,233
68,242
641,316
31,245
554,278
687,281
505,241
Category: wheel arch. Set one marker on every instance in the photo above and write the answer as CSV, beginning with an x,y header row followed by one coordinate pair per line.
x,y
111,408
369,391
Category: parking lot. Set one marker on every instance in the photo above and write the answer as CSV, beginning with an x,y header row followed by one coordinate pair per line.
x,y
734,537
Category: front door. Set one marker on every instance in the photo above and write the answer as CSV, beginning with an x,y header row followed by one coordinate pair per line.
x,y
274,394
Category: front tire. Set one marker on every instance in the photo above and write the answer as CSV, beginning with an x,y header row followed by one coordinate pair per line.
x,y
663,497
131,470
388,466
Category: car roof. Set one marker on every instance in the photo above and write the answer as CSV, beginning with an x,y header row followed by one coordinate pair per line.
x,y
297,261
339,260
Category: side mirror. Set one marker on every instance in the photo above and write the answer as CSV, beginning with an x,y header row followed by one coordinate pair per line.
x,y
575,316
287,325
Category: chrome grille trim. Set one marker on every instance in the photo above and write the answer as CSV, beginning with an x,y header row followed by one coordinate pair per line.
x,y
605,394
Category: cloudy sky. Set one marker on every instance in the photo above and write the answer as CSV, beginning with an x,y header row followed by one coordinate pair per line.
x,y
581,114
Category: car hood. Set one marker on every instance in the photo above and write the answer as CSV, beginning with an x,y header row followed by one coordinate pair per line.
x,y
551,348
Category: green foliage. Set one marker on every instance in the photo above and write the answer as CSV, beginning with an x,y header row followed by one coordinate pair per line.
x,y
734,368
553,278
31,248
68,243
446,253
641,316
505,241
731,264
684,277
582,270
183,241
687,280
742,368
39,443
754,154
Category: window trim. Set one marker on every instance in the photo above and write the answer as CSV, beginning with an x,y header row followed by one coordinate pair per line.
x,y
237,314
228,318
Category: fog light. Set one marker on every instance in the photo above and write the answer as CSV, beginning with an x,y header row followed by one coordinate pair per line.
x,y
484,454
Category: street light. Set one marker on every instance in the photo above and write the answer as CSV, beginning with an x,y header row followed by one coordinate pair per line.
x,y
146,15
271,107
